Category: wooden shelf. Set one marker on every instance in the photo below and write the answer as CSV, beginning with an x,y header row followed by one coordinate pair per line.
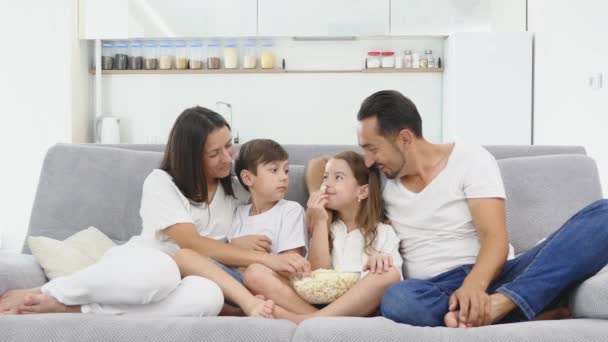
x,y
269,71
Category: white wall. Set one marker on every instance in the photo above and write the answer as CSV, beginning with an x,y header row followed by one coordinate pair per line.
x,y
291,108
570,46
36,101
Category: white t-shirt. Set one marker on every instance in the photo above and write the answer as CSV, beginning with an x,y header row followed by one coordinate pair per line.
x,y
348,253
163,205
435,226
283,224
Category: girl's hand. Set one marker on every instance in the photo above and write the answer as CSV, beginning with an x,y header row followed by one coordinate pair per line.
x,y
316,211
378,263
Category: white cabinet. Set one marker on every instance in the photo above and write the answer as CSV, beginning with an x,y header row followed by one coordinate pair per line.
x,y
319,18
192,18
439,17
103,19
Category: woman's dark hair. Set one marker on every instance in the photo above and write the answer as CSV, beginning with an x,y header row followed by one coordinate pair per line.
x,y
183,158
393,111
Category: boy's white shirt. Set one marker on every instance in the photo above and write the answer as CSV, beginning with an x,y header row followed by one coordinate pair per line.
x,y
283,224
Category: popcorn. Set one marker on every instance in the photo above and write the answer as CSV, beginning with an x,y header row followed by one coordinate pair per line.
x,y
323,188
324,286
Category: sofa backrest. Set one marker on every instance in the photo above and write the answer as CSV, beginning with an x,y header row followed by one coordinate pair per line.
x,y
100,186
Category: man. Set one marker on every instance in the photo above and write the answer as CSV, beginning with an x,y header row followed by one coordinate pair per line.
x,y
446,203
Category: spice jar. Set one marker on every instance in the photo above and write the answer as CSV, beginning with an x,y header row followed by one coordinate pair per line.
x,y
136,56
196,55
373,60
430,59
107,56
415,60
424,62
231,55
181,55
388,59
150,55
121,59
267,55
167,56
250,55
213,55
407,59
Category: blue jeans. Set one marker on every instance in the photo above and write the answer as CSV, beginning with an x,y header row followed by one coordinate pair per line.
x,y
532,280
233,272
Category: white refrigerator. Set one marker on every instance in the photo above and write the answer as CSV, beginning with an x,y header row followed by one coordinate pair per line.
x,y
487,88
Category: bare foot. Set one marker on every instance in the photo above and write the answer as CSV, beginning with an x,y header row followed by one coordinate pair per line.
x,y
500,306
41,303
559,313
11,300
258,307
452,320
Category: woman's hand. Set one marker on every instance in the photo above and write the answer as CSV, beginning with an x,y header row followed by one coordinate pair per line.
x,y
378,263
259,243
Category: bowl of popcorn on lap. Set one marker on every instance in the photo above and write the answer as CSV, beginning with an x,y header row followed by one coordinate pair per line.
x,y
323,286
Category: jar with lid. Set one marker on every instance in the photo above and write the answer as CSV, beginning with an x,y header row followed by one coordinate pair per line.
x,y
231,55
136,56
373,60
181,55
213,55
430,59
415,60
267,55
250,55
424,62
167,56
107,56
388,59
407,59
196,55
121,58
150,55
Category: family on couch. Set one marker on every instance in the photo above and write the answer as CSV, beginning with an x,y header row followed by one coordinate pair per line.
x,y
213,243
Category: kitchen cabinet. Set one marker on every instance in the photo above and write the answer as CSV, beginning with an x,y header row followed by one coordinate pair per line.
x,y
103,19
321,18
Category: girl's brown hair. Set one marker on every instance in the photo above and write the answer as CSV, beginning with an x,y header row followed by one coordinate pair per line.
x,y
371,209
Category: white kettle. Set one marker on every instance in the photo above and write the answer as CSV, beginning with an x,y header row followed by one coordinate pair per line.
x,y
108,130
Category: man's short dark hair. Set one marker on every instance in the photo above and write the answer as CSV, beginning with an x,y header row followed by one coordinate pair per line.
x,y
256,152
393,111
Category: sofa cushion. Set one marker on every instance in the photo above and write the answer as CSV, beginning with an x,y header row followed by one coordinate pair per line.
x,y
590,299
544,192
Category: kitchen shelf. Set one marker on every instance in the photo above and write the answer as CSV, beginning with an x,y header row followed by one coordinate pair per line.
x,y
270,71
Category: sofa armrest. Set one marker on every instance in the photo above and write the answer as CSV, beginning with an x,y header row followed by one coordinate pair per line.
x,y
19,271
590,298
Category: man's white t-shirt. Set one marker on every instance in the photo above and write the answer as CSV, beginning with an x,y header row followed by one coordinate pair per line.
x,y
435,225
283,224
348,252
163,205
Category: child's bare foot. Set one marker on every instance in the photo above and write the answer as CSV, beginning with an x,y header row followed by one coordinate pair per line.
x,y
559,313
11,300
41,303
259,307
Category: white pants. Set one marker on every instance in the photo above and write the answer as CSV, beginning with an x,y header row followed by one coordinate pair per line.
x,y
136,280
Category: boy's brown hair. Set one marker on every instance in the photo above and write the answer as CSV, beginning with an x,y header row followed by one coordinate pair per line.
x,y
257,152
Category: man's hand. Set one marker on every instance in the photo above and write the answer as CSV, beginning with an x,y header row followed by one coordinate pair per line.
x,y
288,262
259,243
474,305
378,263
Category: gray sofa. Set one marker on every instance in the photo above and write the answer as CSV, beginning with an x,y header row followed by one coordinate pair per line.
x,y
84,185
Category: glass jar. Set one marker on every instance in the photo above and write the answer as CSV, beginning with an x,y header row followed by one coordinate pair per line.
x,y
167,56
415,60
424,62
373,60
107,56
213,55
231,55
430,59
136,56
407,59
150,55
388,59
121,58
196,55
250,55
181,55
266,55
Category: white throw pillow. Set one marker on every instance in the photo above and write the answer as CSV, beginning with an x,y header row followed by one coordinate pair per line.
x,y
62,258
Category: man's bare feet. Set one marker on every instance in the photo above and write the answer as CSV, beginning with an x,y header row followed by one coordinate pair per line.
x,y
41,303
11,300
259,307
500,306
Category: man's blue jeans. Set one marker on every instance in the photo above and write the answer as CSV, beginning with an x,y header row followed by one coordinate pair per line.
x,y
532,280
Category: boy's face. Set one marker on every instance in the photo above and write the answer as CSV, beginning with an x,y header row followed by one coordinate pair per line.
x,y
271,181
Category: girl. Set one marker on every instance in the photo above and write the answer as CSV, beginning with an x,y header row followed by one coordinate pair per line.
x,y
355,240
